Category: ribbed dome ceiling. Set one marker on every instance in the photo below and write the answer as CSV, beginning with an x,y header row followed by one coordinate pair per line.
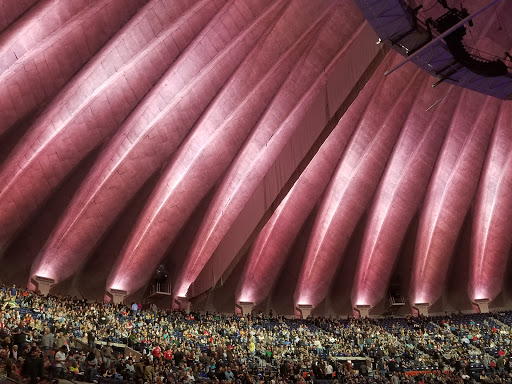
x,y
228,141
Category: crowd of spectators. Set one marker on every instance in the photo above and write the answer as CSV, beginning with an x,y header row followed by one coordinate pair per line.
x,y
52,337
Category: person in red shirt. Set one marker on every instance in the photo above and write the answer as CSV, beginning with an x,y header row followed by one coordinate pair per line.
x,y
157,352
168,354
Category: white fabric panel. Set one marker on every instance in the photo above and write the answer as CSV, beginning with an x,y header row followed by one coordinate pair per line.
x,y
348,70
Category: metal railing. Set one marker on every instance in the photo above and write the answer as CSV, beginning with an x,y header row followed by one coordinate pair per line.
x,y
396,300
160,288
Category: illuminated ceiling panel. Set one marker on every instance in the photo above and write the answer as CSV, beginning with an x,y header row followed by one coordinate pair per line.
x,y
252,149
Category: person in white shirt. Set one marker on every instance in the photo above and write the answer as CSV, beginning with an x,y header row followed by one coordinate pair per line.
x,y
328,370
14,353
318,346
60,360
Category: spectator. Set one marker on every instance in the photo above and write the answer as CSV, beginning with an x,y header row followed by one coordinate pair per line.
x,y
60,361
14,355
107,354
91,340
60,341
149,372
33,366
91,364
156,352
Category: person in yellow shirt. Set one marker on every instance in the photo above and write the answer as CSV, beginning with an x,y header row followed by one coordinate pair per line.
x,y
74,368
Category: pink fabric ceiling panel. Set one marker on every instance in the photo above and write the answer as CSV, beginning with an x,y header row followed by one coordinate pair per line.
x,y
492,224
266,142
401,191
151,134
207,152
450,193
267,256
44,68
11,10
354,183
216,137
342,75
35,26
89,110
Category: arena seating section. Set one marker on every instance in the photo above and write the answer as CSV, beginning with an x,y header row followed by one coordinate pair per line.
x,y
450,348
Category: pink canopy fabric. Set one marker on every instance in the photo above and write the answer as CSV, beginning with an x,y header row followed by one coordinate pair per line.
x,y
252,148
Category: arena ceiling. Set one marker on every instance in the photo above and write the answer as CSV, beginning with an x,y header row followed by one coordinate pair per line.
x,y
254,149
